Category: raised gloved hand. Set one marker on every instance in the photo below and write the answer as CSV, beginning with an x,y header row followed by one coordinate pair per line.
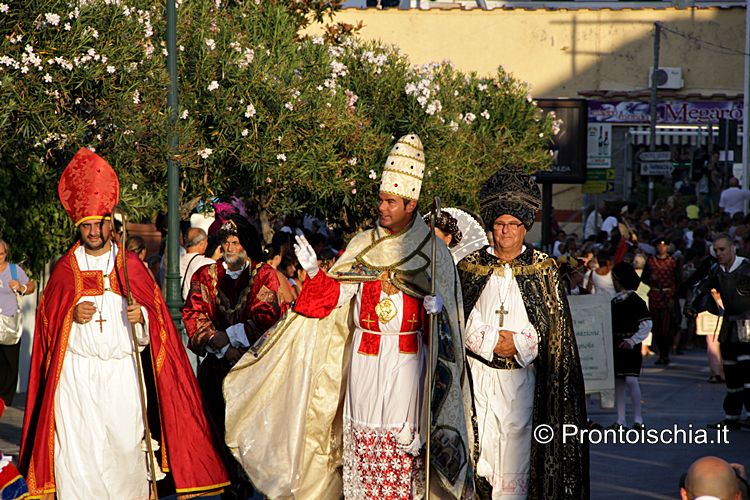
x,y
433,304
306,256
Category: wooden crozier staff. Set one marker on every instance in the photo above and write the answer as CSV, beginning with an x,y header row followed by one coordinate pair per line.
x,y
136,354
431,342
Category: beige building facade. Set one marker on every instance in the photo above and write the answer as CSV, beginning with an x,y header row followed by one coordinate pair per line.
x,y
602,54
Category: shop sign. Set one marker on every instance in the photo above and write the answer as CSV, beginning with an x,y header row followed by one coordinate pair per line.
x,y
599,146
667,112
568,145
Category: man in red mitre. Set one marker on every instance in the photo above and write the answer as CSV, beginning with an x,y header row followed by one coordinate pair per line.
x,y
83,431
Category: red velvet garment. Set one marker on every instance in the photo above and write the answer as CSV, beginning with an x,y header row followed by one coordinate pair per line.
x,y
190,451
217,301
662,282
319,296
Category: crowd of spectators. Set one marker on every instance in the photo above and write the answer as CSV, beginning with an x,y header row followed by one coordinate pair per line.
x,y
683,225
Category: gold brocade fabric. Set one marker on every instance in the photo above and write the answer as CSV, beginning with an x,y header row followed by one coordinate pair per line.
x,y
284,397
557,470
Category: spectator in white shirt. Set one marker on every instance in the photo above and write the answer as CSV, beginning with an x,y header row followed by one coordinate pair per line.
x,y
732,199
593,221
196,242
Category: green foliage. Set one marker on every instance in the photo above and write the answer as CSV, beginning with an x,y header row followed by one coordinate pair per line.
x,y
288,123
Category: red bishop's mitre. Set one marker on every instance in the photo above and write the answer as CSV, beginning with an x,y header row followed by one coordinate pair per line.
x,y
88,187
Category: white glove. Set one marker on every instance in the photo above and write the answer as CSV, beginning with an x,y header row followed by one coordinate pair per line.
x,y
433,304
306,256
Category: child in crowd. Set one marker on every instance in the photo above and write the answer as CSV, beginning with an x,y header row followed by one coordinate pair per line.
x,y
631,323
12,485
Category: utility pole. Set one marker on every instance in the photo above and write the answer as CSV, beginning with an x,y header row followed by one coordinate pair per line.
x,y
746,104
174,294
654,85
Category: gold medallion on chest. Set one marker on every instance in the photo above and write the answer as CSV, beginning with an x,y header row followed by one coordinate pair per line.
x,y
386,310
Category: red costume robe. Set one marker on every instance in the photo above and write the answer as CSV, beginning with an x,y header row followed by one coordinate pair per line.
x,y
188,450
217,301
661,277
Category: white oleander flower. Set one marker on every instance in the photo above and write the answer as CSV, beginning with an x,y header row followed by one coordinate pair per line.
x,y
51,18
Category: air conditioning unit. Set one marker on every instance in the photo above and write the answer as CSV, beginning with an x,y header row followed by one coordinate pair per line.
x,y
666,78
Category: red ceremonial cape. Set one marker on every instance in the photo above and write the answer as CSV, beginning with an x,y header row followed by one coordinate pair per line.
x,y
188,449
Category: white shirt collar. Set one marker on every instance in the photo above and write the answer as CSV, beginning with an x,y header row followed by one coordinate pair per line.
x,y
737,261
491,249
233,274
102,259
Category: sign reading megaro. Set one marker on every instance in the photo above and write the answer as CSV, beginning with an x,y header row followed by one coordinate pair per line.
x,y
667,112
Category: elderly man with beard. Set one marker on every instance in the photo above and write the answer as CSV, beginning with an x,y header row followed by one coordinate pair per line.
x,y
231,303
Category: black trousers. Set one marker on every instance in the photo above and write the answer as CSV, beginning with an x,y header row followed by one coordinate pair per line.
x,y
9,355
736,356
662,330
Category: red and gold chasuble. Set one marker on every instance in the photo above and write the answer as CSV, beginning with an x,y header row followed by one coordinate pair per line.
x,y
369,321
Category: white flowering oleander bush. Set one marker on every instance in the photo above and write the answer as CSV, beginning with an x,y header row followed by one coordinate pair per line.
x,y
288,122
471,126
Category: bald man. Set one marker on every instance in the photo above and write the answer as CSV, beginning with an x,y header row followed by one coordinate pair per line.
x,y
710,478
195,245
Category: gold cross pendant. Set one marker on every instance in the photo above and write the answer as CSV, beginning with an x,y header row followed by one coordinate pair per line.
x,y
100,321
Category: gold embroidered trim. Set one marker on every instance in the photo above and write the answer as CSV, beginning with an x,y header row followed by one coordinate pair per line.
x,y
402,155
512,197
392,267
403,172
400,195
518,269
208,487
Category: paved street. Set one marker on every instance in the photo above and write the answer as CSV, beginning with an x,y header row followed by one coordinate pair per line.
x,y
678,395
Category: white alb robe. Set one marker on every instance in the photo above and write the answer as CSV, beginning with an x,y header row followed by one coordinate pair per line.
x,y
383,401
504,399
98,422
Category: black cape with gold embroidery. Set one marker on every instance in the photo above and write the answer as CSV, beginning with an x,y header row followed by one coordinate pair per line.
x,y
557,471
